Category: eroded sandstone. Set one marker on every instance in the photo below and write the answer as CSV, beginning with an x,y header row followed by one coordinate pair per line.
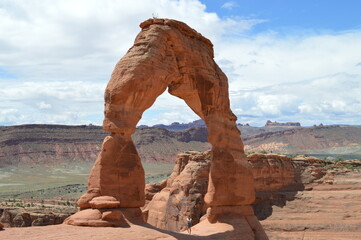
x,y
170,202
294,197
168,54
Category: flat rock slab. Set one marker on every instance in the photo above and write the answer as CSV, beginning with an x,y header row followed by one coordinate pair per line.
x,y
137,232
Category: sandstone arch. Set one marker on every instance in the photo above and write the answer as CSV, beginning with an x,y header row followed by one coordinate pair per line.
x,y
166,54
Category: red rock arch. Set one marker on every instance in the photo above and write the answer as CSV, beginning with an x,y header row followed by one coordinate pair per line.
x,y
168,54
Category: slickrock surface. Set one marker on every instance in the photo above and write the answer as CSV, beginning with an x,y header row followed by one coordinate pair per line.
x,y
168,54
170,202
295,198
329,210
327,206
181,195
133,232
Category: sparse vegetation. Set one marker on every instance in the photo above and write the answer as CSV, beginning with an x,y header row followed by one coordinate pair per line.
x,y
340,159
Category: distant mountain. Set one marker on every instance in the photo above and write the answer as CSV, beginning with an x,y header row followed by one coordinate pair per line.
x,y
339,140
60,144
269,126
176,126
269,123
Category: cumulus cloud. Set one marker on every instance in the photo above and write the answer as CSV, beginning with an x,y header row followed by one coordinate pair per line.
x,y
309,78
332,99
57,56
84,39
52,102
268,59
168,109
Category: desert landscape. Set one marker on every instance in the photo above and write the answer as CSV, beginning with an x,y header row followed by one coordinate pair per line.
x,y
267,138
296,198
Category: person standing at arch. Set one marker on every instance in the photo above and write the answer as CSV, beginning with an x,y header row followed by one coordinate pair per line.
x,y
189,225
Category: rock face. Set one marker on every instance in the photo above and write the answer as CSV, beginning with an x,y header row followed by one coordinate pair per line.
x,y
12,218
170,202
168,54
274,172
292,195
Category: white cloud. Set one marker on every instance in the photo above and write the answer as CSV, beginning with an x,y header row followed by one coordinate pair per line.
x,y
229,5
9,115
167,109
60,55
267,59
63,52
63,40
42,105
331,99
52,102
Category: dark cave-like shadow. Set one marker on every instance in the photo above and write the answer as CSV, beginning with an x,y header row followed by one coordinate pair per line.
x,y
263,207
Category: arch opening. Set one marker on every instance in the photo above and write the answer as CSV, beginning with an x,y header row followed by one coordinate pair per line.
x,y
167,54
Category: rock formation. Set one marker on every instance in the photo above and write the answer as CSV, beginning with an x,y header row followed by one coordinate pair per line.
x,y
13,218
182,192
269,123
273,172
167,54
283,186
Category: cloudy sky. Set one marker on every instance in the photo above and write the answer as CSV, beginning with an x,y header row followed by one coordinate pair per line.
x,y
285,60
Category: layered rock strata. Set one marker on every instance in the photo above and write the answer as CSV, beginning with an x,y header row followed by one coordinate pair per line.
x,y
279,183
167,54
170,202
13,218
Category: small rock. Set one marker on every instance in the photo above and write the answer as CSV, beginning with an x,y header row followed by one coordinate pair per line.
x,y
104,202
114,215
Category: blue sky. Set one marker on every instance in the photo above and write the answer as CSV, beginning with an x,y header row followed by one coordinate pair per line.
x,y
284,15
286,60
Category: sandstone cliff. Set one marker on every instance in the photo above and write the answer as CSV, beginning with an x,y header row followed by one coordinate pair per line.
x,y
58,144
283,189
181,195
28,145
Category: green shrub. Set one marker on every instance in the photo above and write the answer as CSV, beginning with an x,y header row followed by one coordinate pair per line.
x,y
340,159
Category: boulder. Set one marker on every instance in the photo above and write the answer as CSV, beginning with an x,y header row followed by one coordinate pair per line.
x,y
104,202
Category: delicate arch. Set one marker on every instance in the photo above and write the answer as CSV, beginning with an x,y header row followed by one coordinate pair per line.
x,y
168,54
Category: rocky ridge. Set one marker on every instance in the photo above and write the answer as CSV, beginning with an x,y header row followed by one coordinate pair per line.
x,y
281,183
295,197
29,145
59,144
16,218
168,203
294,124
